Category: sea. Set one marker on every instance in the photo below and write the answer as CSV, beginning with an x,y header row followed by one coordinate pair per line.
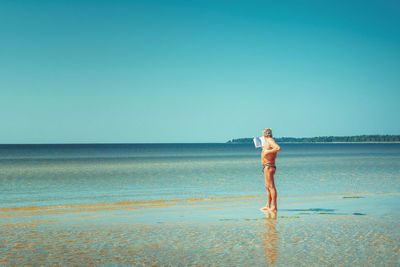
x,y
199,204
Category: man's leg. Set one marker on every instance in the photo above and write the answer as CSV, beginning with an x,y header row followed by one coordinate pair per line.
x,y
272,189
267,181
269,198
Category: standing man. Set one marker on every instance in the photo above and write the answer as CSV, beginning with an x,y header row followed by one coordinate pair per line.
x,y
268,156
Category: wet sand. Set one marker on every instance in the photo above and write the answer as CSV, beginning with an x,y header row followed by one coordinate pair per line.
x,y
336,229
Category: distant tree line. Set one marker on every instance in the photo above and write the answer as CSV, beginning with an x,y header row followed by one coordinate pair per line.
x,y
328,139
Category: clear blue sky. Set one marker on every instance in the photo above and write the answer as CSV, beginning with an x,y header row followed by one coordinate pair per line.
x,y
197,71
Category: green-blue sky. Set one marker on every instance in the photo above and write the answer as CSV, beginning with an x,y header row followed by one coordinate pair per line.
x,y
197,71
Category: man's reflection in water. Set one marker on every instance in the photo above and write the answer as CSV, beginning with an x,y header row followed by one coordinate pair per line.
x,y
270,238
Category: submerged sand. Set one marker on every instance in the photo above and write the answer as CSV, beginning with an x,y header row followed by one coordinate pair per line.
x,y
336,229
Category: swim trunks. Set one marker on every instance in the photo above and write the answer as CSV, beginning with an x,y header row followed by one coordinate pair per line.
x,y
267,165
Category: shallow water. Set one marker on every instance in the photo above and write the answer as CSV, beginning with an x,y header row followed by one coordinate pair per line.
x,y
198,204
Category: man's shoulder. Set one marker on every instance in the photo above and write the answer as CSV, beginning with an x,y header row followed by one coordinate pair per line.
x,y
270,140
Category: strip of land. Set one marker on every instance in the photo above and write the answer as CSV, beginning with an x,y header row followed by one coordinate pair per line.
x,y
329,139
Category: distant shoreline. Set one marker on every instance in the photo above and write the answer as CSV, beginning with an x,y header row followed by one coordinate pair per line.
x,y
328,139
396,142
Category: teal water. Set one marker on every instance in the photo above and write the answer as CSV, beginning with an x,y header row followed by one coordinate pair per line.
x,y
41,175
181,204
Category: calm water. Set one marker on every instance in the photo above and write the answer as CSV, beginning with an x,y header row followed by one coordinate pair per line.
x,y
181,204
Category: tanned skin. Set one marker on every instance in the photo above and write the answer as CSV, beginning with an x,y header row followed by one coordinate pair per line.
x,y
268,156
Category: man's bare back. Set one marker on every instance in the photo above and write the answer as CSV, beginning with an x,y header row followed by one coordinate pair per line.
x,y
268,156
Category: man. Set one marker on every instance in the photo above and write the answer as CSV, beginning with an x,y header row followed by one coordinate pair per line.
x,y
268,156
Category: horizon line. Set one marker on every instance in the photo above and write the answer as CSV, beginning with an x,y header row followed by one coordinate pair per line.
x,y
166,143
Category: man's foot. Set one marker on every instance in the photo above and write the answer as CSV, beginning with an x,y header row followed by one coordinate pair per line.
x,y
265,209
273,209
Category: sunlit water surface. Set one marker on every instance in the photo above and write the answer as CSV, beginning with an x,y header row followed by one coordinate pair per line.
x,y
182,204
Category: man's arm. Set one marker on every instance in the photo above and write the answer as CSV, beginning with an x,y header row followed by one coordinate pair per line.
x,y
275,147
